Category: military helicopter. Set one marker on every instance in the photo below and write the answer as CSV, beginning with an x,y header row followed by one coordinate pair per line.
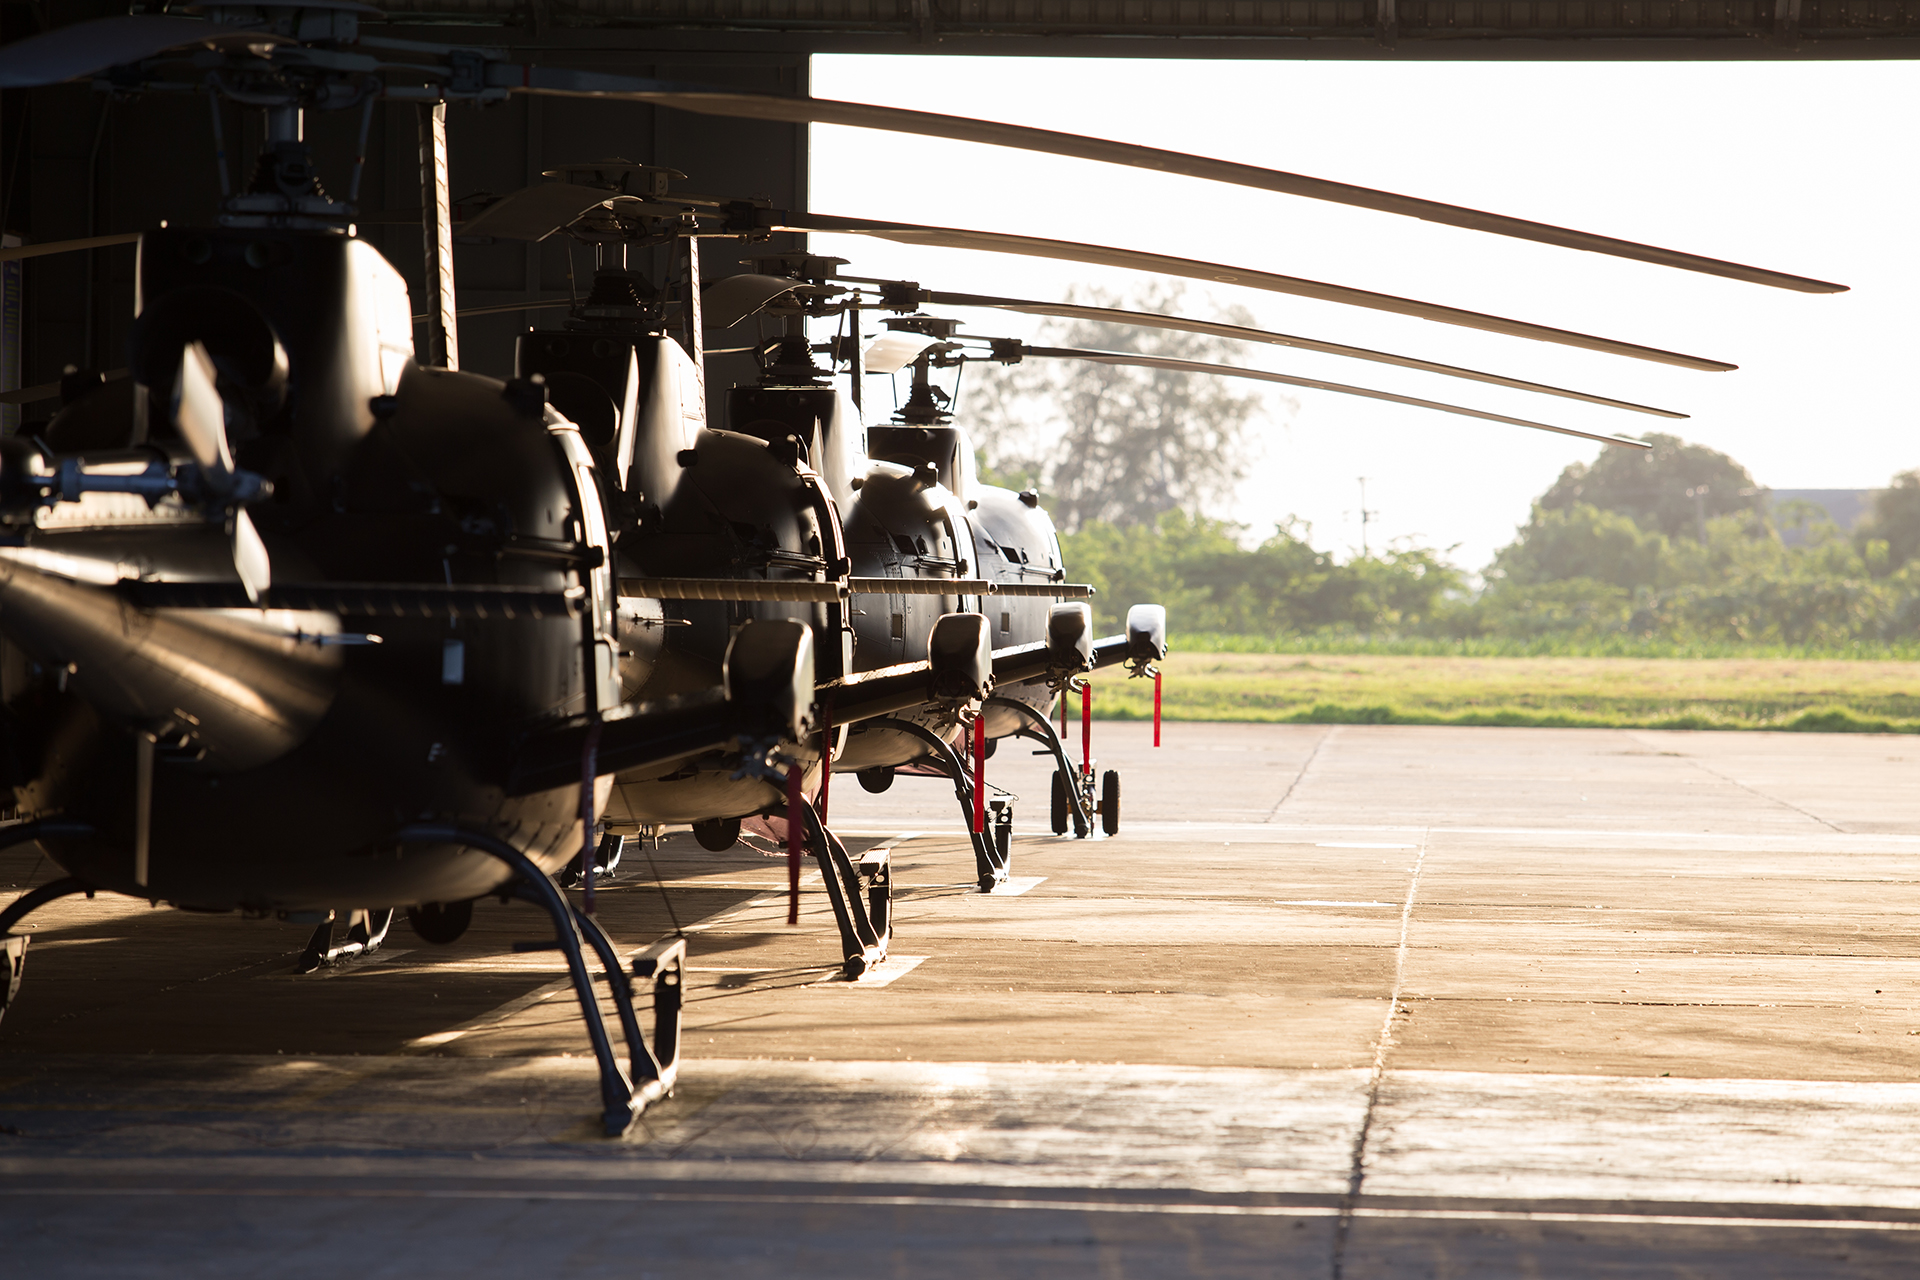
x,y
171,690
912,515
1007,536
199,553
764,518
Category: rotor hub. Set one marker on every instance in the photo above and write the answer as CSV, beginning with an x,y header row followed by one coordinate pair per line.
x,y
624,301
788,362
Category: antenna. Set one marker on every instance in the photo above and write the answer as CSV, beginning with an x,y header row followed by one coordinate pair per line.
x,y
1366,518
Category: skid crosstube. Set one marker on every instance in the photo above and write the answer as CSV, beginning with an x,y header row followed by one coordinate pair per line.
x,y
1040,729
653,1069
864,911
623,1095
988,861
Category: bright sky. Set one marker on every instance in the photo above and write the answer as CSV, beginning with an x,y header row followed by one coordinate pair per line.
x,y
1807,168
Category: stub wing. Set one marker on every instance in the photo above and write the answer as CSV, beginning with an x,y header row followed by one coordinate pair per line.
x,y
636,736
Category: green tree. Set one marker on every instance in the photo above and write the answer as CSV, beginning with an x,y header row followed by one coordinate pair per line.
x,y
1117,444
1673,488
1582,541
1894,521
1210,582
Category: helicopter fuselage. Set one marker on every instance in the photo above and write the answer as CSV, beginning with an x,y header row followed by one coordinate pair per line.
x,y
289,746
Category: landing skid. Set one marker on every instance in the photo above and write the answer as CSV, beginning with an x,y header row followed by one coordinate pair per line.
x,y
991,855
366,930
651,1071
606,859
13,946
861,894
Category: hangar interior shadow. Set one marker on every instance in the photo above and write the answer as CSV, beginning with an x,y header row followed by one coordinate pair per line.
x,y
81,163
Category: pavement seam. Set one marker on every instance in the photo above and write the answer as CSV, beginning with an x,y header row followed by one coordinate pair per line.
x,y
1304,766
1754,791
1357,1172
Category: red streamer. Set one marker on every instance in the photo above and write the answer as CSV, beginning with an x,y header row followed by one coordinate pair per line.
x,y
980,772
796,781
1156,708
1086,727
826,759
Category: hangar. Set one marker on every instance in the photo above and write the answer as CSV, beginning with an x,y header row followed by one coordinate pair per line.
x,y
85,164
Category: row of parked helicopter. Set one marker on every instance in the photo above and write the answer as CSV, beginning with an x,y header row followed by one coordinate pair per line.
x,y
296,623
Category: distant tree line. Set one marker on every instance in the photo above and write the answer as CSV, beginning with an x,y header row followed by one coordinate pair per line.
x,y
1677,545
1674,544
1680,544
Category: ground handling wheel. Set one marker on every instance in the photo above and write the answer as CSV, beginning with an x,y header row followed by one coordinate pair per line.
x,y
440,923
1110,803
1062,802
717,835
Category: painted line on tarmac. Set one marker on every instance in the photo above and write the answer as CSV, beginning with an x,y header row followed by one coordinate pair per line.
x,y
888,842
1573,1217
1360,844
1773,839
887,970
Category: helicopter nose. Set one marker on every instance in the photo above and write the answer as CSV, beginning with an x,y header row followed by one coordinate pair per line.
x,y
243,686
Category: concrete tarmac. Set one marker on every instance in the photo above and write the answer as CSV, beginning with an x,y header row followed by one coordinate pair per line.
x,y
1338,1001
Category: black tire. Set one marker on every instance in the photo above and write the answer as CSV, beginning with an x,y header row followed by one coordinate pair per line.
x,y
875,780
1062,802
717,835
1110,803
440,922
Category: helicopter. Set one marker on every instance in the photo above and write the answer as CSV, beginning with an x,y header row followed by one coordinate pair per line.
x,y
911,506
1012,540
764,517
197,556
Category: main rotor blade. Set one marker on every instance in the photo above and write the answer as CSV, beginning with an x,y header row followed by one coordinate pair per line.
x,y
1313,384
66,246
892,352
1161,264
1154,320
731,299
250,560
83,48
536,212
780,107
202,420
201,414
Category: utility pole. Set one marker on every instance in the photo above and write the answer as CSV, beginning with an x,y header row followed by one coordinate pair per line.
x,y
1699,495
1366,518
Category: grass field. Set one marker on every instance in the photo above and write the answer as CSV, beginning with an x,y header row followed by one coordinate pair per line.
x,y
1404,646
1821,695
